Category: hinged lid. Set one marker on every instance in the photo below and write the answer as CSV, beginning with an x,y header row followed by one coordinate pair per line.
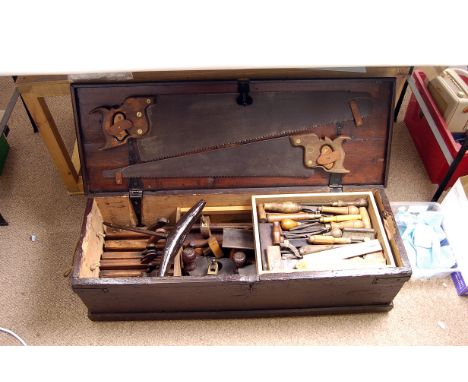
x,y
233,134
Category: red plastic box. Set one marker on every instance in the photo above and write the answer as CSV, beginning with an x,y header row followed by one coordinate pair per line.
x,y
432,139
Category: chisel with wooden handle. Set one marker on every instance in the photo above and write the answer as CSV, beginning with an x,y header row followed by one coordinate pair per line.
x,y
326,239
339,218
361,202
349,210
308,249
293,225
291,207
287,207
330,257
347,224
300,216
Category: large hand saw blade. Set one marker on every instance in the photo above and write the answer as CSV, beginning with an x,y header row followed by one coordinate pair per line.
x,y
276,157
186,124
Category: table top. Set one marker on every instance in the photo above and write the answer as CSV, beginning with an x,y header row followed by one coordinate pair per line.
x,y
204,35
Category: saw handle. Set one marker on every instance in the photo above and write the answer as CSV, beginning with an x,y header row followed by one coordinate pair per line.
x,y
129,120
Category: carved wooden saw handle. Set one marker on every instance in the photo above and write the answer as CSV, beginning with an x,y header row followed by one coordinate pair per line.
x,y
325,153
125,121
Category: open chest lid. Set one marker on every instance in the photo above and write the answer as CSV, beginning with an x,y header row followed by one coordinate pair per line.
x,y
232,134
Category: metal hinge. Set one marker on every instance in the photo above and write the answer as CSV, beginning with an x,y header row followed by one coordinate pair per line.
x,y
244,98
136,198
135,185
335,182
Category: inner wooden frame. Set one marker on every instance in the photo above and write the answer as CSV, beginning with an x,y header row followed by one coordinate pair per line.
x,y
372,209
118,210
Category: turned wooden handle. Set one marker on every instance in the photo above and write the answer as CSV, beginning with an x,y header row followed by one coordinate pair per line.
x,y
239,258
358,203
262,218
365,217
302,216
276,233
349,210
348,224
336,232
308,249
339,218
324,239
283,207
213,244
288,224
188,259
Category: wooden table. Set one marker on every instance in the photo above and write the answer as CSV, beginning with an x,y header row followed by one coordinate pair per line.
x,y
35,89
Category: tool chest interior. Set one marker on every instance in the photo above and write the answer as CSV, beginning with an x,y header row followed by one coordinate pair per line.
x,y
153,151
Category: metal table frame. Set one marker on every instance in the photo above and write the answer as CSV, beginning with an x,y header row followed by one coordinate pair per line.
x,y
453,162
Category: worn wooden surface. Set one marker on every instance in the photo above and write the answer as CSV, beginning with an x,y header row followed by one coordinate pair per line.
x,y
235,295
50,86
366,153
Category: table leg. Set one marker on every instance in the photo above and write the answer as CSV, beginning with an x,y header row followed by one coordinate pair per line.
x,y
31,120
402,94
451,169
53,141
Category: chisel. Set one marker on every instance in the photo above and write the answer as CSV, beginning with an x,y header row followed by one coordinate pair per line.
x,y
291,207
304,216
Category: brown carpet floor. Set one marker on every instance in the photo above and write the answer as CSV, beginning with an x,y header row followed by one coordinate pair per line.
x,y
36,300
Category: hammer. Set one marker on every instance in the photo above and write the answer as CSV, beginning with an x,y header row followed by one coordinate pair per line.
x,y
177,236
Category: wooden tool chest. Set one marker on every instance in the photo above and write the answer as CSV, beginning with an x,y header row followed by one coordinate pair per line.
x,y
153,150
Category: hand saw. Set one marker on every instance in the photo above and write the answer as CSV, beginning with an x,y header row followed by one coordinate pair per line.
x,y
274,157
212,127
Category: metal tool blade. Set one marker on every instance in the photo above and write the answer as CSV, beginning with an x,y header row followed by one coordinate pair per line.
x,y
238,238
176,238
277,157
186,124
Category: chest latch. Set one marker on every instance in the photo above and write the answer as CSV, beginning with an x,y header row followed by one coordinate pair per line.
x,y
135,185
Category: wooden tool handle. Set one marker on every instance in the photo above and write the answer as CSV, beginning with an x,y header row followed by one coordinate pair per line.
x,y
339,218
324,239
188,259
308,249
348,224
283,207
262,218
215,247
336,232
300,216
349,210
276,233
288,224
239,258
365,217
358,203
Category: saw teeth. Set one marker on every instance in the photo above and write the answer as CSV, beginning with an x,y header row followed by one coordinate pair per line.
x,y
281,134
